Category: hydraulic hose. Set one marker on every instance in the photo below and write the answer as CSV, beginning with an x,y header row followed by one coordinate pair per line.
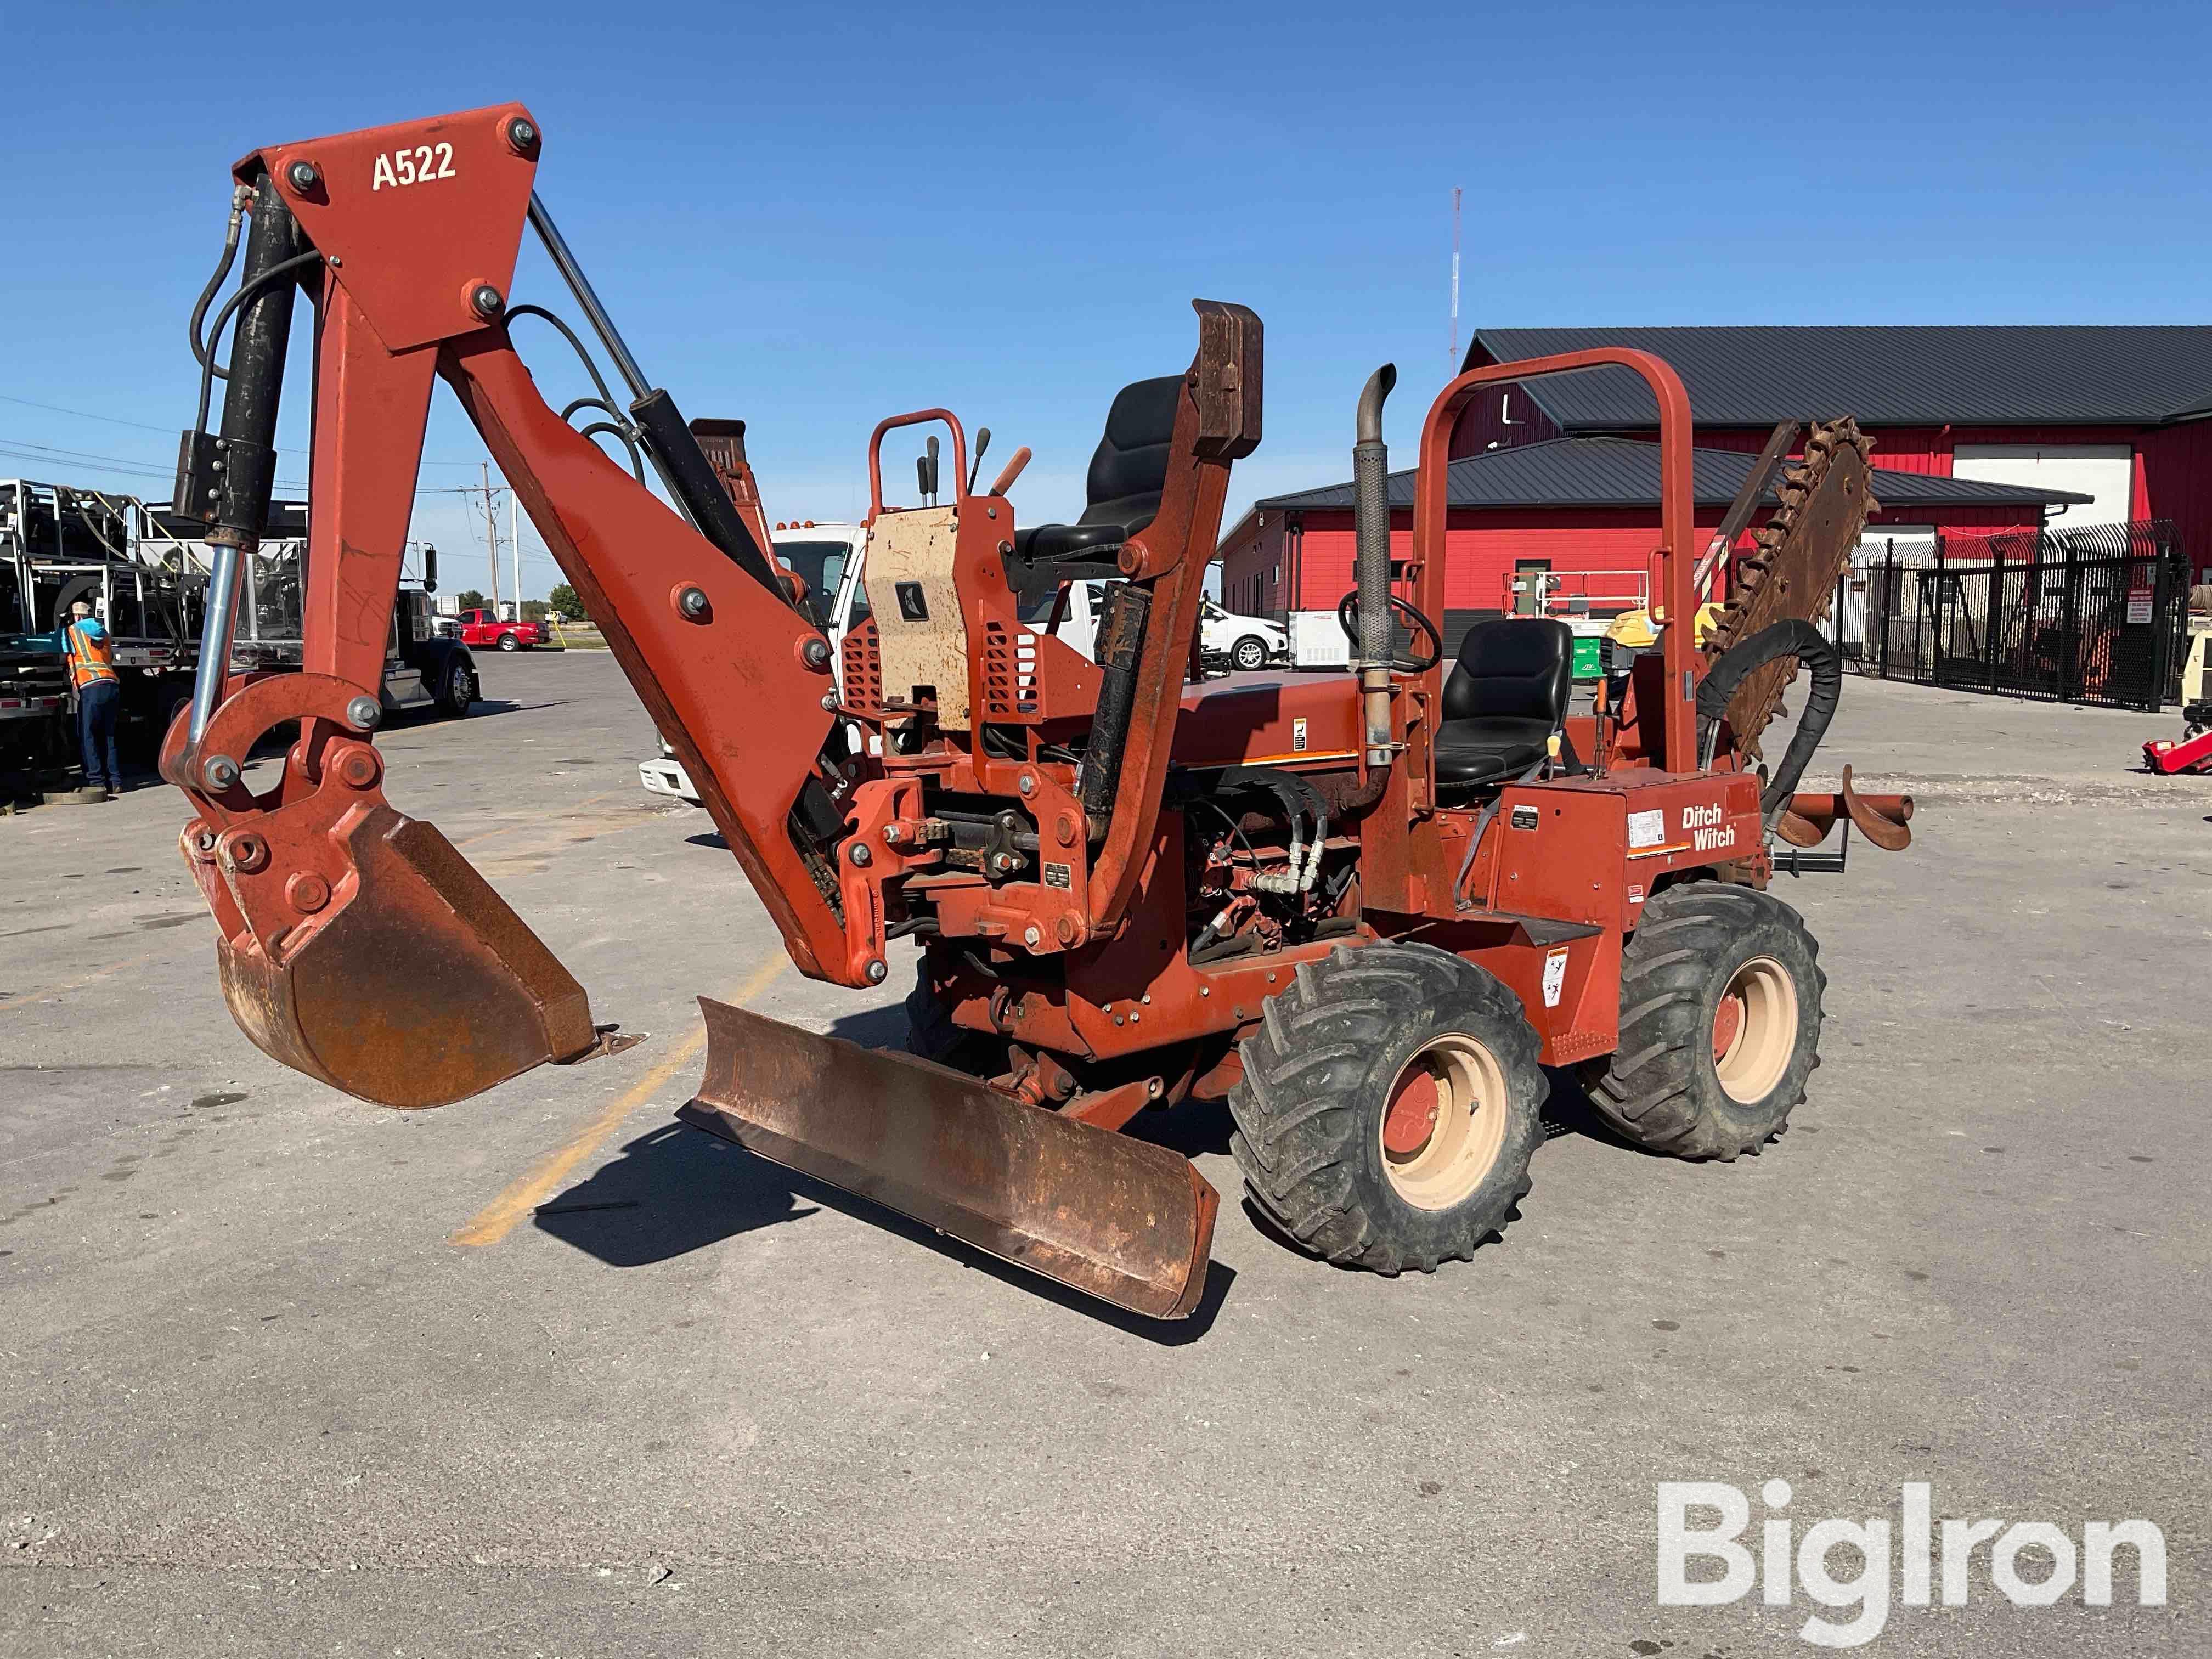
x,y
211,370
275,247
241,197
1793,638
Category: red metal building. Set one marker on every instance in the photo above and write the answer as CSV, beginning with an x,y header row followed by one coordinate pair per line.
x,y
2098,424
2121,413
1541,525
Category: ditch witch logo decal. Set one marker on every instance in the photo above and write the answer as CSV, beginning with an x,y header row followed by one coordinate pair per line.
x,y
1708,828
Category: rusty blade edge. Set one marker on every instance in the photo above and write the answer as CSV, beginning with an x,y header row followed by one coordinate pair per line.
x,y
1007,1243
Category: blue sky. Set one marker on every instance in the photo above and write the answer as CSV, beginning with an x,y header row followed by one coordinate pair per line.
x,y
812,216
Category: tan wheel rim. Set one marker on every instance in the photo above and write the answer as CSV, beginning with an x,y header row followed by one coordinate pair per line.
x,y
1445,1123
1755,1030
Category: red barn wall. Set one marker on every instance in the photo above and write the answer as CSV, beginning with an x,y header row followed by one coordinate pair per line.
x,y
1482,544
2173,480
2173,473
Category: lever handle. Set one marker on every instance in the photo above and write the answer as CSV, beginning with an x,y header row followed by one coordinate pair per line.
x,y
1006,479
983,443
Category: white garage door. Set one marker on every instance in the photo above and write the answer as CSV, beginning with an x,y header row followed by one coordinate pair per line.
x,y
1907,547
2106,471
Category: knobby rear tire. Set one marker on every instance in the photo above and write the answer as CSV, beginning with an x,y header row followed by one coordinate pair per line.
x,y
1662,1088
1319,1078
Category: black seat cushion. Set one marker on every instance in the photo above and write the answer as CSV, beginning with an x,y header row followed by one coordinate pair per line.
x,y
1488,746
1069,541
1505,697
1128,471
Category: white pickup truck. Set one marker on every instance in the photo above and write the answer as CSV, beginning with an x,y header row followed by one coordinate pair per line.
x,y
828,557
1243,643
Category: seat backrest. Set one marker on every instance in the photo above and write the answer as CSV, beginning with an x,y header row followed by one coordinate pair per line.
x,y
1129,469
1518,667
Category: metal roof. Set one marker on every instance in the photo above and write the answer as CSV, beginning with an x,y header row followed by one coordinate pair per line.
x,y
1983,375
1625,472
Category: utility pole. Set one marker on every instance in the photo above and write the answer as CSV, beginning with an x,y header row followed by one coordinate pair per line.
x,y
1452,366
514,538
491,537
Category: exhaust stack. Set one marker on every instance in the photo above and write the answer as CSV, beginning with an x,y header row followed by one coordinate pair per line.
x,y
1370,518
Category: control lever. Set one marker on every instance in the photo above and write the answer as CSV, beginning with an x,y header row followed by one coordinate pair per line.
x,y
1006,479
924,472
983,443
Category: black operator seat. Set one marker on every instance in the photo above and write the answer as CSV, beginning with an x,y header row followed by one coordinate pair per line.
x,y
1505,697
1129,470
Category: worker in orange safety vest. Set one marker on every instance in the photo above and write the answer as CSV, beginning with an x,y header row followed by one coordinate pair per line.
x,y
91,656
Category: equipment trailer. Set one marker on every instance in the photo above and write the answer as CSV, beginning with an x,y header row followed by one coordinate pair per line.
x,y
59,543
1363,909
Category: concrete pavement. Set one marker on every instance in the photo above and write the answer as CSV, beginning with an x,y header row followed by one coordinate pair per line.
x,y
256,1399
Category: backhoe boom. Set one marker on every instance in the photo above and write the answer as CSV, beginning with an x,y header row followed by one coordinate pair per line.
x,y
417,228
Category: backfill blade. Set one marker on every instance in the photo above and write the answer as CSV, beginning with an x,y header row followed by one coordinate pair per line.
x,y
1119,1219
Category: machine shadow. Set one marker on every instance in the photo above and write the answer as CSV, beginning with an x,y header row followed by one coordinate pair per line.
x,y
676,1189
1568,1110
873,1027
671,1191
483,705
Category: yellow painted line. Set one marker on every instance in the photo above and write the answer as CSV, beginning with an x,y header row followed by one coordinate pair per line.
x,y
497,1218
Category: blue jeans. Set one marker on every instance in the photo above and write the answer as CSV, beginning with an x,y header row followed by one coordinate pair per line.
x,y
95,733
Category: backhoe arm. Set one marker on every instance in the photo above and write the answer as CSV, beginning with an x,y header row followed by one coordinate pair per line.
x,y
357,945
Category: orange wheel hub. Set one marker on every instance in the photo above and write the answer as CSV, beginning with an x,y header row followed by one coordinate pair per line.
x,y
1412,1115
1728,1024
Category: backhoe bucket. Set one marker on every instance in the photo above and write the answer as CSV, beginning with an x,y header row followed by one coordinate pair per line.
x,y
1119,1219
419,988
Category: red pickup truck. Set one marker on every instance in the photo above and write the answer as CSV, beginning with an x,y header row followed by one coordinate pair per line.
x,y
485,628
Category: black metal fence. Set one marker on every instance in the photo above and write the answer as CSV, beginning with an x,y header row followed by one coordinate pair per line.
x,y
2094,614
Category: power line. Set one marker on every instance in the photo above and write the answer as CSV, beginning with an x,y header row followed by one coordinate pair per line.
x,y
23,450
166,431
82,413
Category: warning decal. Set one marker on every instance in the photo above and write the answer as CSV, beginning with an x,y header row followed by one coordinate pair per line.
x,y
1647,829
1555,977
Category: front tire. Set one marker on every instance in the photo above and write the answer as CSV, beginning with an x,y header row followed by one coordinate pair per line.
x,y
1389,1107
1720,1023
1249,654
457,691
